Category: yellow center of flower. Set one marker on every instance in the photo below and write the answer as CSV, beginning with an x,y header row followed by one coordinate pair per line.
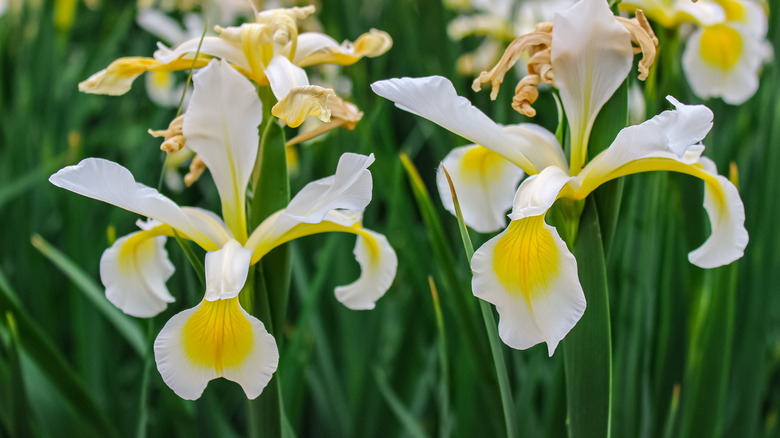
x,y
480,161
526,258
218,335
721,46
734,10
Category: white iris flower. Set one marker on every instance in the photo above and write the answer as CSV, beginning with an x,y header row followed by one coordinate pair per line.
x,y
217,338
527,271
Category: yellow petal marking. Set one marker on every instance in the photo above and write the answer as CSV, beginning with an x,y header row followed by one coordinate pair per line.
x,y
734,10
479,163
526,258
721,46
218,335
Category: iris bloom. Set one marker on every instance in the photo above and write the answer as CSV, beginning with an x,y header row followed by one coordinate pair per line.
x,y
269,51
527,271
217,337
724,54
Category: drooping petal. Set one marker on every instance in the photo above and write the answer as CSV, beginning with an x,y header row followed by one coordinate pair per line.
x,y
211,46
485,184
591,55
318,48
302,102
134,271
213,339
724,61
221,127
378,264
226,271
118,77
659,145
435,99
527,271
109,182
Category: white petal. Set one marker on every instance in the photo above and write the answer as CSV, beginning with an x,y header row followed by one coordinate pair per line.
x,y
109,182
349,189
531,277
283,76
485,184
378,264
734,83
231,343
221,127
226,271
538,193
160,25
435,99
312,42
134,271
591,55
213,46
726,212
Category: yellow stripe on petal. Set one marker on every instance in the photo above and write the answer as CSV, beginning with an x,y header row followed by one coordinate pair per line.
x,y
218,335
526,259
721,46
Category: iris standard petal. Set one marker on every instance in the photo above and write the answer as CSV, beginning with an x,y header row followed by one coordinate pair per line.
x,y
591,55
134,271
485,184
213,339
435,99
221,127
109,182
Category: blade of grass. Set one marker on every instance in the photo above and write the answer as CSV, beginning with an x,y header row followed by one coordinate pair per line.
x,y
20,411
490,326
401,412
444,388
37,344
94,293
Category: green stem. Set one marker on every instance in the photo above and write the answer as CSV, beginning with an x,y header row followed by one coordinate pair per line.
x,y
588,348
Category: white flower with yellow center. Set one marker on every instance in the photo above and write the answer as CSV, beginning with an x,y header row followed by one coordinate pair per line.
x,y
724,59
217,338
527,271
268,51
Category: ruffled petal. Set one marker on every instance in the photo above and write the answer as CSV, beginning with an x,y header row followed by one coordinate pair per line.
x,y
134,271
485,184
302,102
591,55
378,264
435,99
109,182
213,339
226,271
221,127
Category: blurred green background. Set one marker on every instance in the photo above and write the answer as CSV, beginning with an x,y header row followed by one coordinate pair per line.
x,y
695,353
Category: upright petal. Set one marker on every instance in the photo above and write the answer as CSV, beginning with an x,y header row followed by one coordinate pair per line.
x,y
109,182
435,99
213,339
485,184
527,271
221,127
591,55
283,76
134,271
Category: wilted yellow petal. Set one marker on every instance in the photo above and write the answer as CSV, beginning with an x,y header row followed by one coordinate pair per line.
x,y
302,102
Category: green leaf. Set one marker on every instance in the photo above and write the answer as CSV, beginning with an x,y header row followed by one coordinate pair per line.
x,y
20,411
37,344
396,405
94,293
587,348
